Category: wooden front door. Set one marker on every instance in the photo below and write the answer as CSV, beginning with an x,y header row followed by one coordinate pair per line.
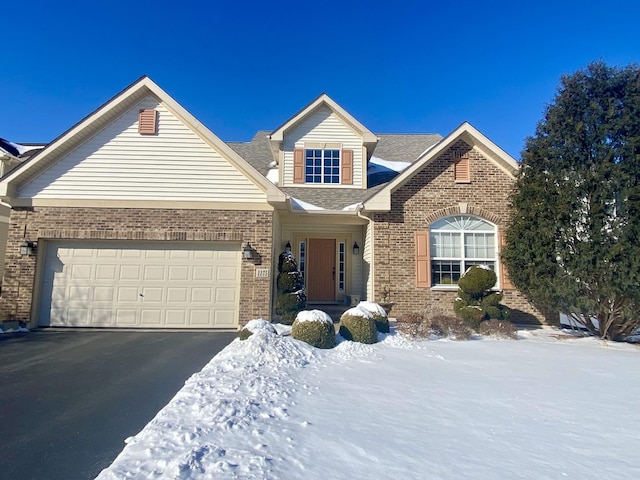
x,y
321,270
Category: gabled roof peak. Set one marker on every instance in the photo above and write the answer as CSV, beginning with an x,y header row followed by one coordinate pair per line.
x,y
324,99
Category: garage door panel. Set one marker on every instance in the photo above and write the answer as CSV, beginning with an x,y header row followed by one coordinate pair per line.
x,y
177,295
103,294
127,294
176,318
226,274
178,273
106,272
152,294
204,272
151,318
81,272
201,295
140,284
130,272
154,272
79,294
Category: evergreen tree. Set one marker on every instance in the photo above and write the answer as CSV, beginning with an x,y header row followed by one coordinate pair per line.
x,y
290,283
573,240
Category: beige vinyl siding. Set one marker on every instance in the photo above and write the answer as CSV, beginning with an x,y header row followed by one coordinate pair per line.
x,y
119,163
323,126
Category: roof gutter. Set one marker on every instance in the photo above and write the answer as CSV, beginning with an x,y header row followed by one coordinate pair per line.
x,y
372,264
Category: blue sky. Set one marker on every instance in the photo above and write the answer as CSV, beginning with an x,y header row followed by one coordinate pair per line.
x,y
398,67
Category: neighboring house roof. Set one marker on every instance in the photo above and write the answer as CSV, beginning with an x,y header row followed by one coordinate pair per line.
x,y
111,110
391,147
381,200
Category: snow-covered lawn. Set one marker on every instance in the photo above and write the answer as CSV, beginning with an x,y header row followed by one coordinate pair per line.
x,y
547,406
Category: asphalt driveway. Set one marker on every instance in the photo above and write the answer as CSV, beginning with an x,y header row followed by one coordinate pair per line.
x,y
68,399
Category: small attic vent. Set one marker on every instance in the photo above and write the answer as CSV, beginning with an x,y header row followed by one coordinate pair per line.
x,y
148,122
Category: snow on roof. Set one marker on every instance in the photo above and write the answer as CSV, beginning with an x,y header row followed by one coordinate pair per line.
x,y
16,149
313,316
350,208
373,307
300,205
273,175
378,163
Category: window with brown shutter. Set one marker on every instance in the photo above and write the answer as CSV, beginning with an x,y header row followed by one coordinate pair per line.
x,y
298,165
347,167
423,260
462,170
148,122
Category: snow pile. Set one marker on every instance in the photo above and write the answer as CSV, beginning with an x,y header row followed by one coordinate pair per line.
x,y
273,407
259,325
313,316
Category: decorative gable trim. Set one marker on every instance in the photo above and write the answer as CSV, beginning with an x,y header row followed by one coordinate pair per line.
x,y
462,170
148,122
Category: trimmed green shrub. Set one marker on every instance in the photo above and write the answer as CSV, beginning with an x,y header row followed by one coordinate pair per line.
x,y
498,329
291,297
254,326
379,315
358,325
476,302
450,327
315,328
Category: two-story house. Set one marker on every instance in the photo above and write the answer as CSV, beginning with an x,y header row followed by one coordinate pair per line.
x,y
139,216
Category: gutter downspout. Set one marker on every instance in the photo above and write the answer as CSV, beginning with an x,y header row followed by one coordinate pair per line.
x,y
359,209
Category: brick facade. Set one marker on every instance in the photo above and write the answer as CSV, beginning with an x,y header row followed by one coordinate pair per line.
x,y
41,223
429,195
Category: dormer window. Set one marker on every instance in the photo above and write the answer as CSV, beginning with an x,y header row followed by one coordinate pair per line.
x,y
321,166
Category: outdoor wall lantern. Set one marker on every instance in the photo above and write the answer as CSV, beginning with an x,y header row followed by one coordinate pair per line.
x,y
287,247
356,248
247,251
27,248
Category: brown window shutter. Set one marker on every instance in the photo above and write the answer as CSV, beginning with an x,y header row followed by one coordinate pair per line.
x,y
462,170
347,167
148,122
298,165
505,281
423,260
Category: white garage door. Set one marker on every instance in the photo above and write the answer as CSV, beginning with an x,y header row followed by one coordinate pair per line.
x,y
140,284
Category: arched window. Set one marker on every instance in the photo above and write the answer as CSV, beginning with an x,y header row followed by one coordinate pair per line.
x,y
458,242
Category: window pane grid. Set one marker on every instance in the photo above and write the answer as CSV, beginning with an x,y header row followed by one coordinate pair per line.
x,y
322,166
457,243
341,266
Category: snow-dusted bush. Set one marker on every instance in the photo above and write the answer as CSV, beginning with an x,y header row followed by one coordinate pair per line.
x,y
379,315
498,329
450,327
411,324
475,301
256,325
314,327
358,325
419,326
